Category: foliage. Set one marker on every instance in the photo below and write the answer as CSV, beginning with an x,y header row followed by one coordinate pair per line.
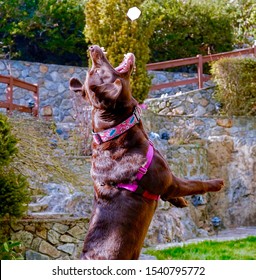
x,y
236,85
189,28
244,23
51,31
107,25
243,249
7,142
14,193
9,250
43,30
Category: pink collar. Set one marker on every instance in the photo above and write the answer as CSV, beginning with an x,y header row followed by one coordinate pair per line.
x,y
113,132
134,187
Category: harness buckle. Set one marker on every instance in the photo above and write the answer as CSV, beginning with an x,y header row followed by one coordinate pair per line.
x,y
143,170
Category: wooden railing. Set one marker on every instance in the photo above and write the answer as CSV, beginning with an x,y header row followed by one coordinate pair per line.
x,y
199,60
9,105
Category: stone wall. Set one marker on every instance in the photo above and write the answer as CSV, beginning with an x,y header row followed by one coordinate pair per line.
x,y
53,81
228,147
161,77
192,103
50,237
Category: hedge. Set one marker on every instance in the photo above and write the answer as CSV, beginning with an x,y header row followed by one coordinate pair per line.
x,y
236,85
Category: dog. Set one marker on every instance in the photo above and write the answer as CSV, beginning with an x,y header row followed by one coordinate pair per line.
x,y
128,172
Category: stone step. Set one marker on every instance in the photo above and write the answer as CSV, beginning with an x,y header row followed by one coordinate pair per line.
x,y
37,206
50,216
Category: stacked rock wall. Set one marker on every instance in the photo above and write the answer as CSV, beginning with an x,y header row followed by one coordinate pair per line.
x,y
53,82
48,238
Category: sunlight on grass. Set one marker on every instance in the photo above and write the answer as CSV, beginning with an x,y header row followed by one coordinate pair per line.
x,y
242,249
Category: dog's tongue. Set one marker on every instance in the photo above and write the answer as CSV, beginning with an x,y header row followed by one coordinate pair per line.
x,y
125,64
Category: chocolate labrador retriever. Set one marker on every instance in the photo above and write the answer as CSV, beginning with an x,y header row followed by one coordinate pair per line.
x,y
129,173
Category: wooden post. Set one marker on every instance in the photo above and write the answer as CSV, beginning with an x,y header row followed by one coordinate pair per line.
x,y
200,71
36,98
10,95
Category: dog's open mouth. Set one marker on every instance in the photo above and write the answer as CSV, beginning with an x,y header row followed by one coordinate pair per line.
x,y
127,64
98,56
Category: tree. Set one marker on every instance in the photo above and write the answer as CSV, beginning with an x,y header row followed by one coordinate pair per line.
x,y
108,26
48,31
244,22
191,27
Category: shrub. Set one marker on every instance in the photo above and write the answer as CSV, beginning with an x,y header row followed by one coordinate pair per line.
x,y
14,194
236,85
7,142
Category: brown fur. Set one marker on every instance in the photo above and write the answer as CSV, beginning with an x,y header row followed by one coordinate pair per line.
x,y
120,219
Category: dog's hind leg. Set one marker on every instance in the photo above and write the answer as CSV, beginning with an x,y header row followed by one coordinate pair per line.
x,y
179,202
183,187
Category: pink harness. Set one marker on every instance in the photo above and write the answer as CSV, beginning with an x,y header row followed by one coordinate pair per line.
x,y
134,187
111,133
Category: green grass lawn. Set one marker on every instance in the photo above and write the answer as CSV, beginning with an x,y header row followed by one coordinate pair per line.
x,y
241,249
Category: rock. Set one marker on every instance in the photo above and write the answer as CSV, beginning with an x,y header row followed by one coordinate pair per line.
x,y
66,238
227,123
178,111
55,76
2,66
36,243
76,231
32,255
60,228
53,237
47,111
16,226
200,111
147,257
43,68
67,248
48,249
24,237
41,232
204,102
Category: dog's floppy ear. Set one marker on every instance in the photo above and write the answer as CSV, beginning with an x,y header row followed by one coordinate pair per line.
x,y
107,94
76,86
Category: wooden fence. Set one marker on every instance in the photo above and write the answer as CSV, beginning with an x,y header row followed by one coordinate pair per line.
x,y
9,105
199,60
